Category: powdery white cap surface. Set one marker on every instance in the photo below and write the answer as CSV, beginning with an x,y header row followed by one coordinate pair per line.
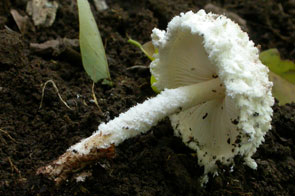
x,y
198,47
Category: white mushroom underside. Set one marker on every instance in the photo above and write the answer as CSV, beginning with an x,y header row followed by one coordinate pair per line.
x,y
210,129
207,128
185,63
197,48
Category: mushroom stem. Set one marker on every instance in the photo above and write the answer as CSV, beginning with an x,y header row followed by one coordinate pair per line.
x,y
138,119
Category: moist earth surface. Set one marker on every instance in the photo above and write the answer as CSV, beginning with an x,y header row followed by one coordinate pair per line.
x,y
157,163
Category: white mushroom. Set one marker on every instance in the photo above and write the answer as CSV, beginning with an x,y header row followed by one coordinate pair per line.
x,y
215,90
198,48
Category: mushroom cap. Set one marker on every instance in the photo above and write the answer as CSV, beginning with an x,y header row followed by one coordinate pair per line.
x,y
197,47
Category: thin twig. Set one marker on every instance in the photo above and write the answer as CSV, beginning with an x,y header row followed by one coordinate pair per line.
x,y
137,67
57,92
8,135
94,97
13,167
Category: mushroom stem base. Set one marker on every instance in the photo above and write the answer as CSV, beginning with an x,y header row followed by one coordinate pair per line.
x,y
138,119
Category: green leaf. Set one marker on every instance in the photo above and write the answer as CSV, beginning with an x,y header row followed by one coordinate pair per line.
x,y
147,48
282,90
289,75
285,68
150,50
91,46
153,80
282,75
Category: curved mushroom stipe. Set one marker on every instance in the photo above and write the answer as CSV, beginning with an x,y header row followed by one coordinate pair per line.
x,y
138,119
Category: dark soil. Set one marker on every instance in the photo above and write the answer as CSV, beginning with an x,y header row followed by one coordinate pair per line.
x,y
153,164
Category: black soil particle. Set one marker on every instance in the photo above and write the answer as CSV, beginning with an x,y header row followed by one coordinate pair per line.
x,y
156,163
